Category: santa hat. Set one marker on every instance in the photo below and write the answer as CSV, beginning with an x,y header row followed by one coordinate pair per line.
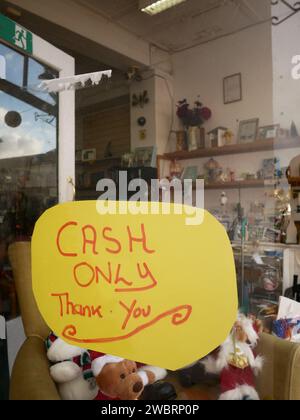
x,y
100,360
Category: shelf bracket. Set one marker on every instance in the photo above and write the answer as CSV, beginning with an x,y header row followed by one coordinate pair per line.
x,y
294,10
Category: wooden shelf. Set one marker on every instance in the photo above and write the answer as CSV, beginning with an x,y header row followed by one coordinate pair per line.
x,y
99,161
255,183
235,149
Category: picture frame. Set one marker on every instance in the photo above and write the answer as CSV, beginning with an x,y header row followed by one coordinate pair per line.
x,y
89,155
248,131
232,88
270,168
268,132
145,157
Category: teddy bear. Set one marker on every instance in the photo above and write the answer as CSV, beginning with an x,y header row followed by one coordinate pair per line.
x,y
122,379
87,375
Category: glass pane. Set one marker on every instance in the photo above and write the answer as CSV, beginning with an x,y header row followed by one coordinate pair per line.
x,y
28,171
14,65
36,73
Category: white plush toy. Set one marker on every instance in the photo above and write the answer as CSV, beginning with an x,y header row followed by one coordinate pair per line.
x,y
71,370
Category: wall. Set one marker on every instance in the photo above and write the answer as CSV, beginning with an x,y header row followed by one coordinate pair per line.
x,y
286,90
200,71
159,112
147,111
164,110
107,94
103,121
107,122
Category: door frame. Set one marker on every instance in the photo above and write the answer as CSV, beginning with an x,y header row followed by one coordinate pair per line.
x,y
65,65
55,58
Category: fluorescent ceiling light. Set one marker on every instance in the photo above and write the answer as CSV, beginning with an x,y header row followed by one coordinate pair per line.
x,y
153,7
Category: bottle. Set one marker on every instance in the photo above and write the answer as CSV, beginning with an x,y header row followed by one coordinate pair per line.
x,y
291,233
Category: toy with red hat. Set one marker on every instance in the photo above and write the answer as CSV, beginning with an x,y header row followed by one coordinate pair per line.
x,y
236,362
87,375
71,370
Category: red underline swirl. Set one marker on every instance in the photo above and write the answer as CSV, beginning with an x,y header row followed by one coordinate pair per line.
x,y
178,318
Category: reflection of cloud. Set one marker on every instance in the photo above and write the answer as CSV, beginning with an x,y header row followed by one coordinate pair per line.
x,y
9,56
31,138
3,112
17,145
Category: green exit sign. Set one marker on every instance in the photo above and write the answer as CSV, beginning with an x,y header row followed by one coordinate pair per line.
x,y
15,34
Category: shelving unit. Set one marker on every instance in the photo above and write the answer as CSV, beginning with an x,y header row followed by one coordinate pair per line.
x,y
255,183
235,149
100,161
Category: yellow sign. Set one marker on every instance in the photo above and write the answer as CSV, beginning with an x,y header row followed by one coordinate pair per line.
x,y
147,288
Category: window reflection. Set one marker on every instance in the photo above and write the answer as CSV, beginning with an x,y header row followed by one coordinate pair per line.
x,y
28,159
36,73
14,65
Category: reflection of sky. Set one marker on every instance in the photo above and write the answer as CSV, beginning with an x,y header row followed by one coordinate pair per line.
x,y
34,135
14,72
31,137
14,65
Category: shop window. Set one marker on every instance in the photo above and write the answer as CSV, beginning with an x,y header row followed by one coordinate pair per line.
x,y
28,159
14,65
36,73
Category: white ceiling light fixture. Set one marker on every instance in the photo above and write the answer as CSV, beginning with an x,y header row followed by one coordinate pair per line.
x,y
153,7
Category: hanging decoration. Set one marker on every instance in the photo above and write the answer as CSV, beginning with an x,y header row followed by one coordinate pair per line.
x,y
294,10
74,82
141,99
13,119
46,118
142,121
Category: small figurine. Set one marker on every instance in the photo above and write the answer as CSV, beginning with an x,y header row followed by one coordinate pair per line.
x,y
223,199
228,137
213,170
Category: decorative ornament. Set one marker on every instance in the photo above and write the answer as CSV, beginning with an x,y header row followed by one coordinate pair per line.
x,y
140,100
142,121
223,199
143,134
13,119
294,10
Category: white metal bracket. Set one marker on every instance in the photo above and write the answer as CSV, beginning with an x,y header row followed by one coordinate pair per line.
x,y
74,82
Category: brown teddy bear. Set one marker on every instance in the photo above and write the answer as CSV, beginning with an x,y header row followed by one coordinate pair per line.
x,y
123,379
86,375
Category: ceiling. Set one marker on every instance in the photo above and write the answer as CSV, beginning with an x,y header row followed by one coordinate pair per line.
x,y
188,24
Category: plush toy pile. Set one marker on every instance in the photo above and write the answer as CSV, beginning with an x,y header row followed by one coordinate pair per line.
x,y
86,375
